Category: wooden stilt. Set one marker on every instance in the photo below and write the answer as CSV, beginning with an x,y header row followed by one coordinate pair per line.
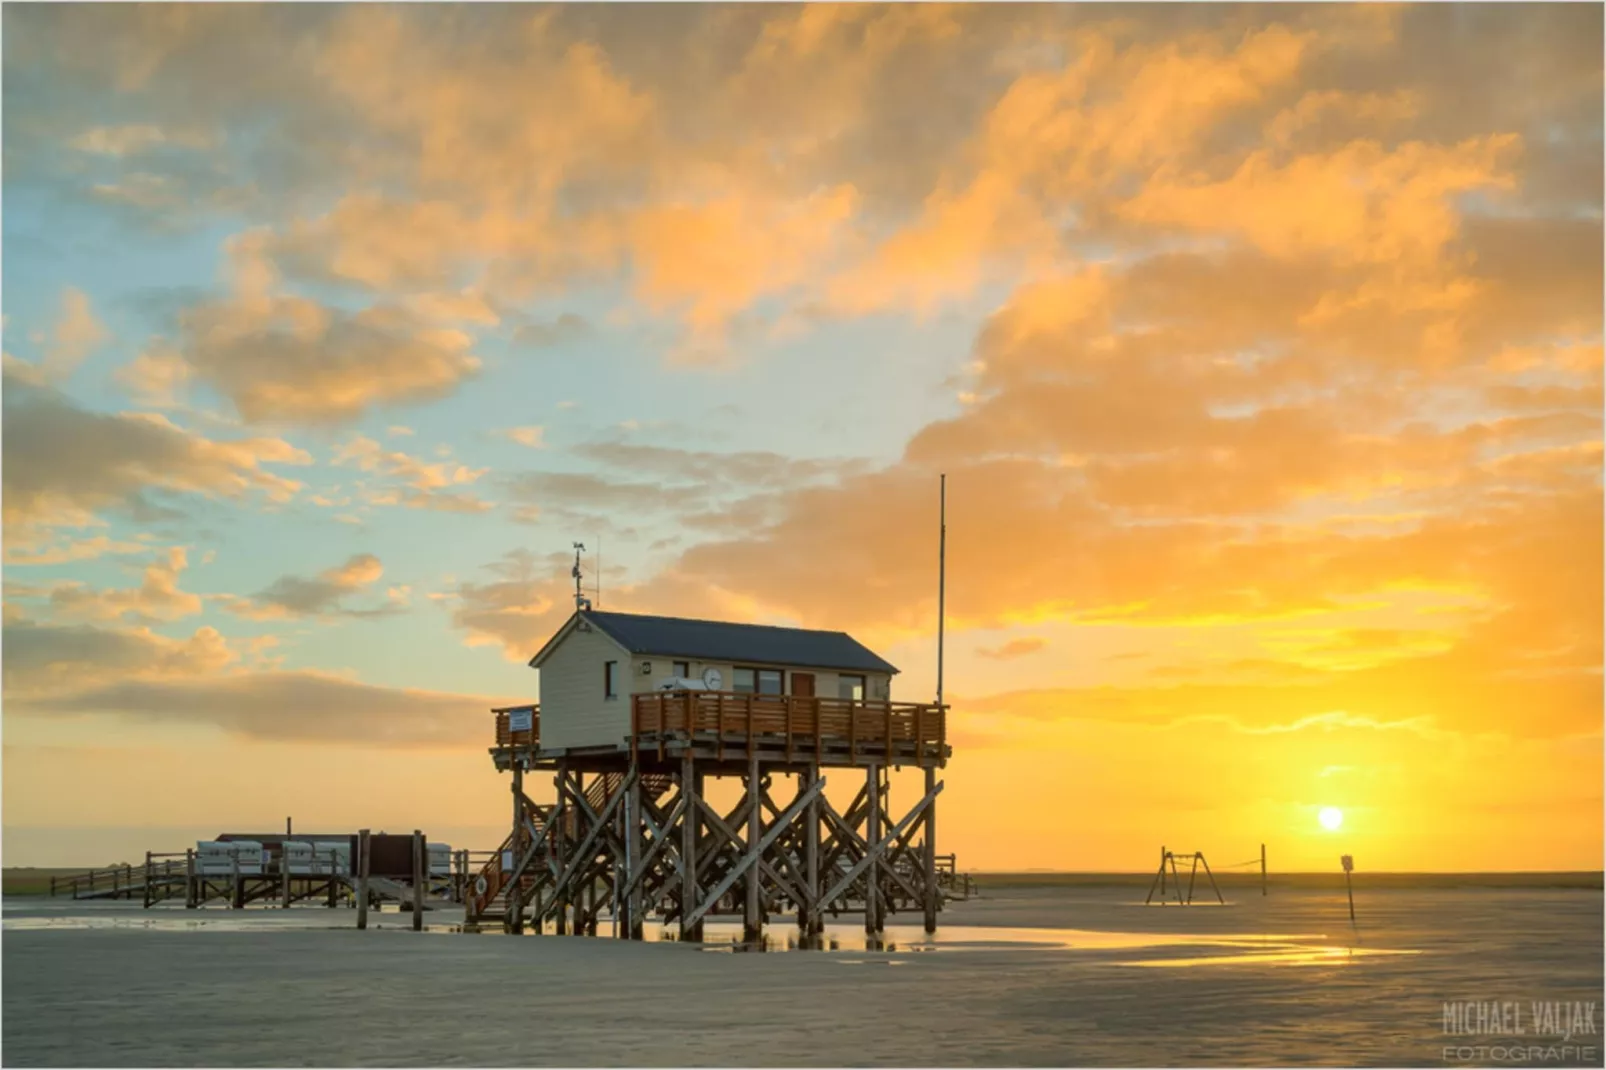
x,y
752,923
931,855
362,867
1262,870
237,895
418,880
150,879
808,914
515,891
191,891
284,874
872,833
689,896
560,920
633,908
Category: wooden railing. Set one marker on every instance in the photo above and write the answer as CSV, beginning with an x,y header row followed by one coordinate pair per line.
x,y
490,864
795,720
120,880
507,737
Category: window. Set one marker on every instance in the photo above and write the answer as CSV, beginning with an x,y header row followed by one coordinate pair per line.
x,y
850,687
683,669
610,679
758,682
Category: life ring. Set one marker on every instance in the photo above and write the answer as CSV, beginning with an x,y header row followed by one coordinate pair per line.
x,y
480,885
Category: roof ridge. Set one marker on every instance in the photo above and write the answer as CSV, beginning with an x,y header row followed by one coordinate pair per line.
x,y
727,623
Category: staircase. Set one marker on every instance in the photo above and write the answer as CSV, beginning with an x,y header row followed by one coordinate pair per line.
x,y
491,906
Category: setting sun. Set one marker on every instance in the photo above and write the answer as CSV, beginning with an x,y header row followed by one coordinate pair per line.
x,y
1331,817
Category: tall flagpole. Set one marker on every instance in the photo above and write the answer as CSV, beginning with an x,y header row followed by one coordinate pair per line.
x,y
942,573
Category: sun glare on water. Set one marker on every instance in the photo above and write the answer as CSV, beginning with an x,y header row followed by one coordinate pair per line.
x,y
1331,817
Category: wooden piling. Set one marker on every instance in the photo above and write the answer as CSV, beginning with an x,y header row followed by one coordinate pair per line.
x,y
150,876
362,879
515,891
1262,870
688,850
808,915
560,918
931,854
752,922
634,908
191,891
872,836
418,881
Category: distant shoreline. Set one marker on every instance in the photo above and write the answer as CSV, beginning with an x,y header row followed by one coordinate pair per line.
x,y
1584,879
35,880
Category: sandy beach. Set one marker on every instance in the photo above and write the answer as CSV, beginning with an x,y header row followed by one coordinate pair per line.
x,y
1038,973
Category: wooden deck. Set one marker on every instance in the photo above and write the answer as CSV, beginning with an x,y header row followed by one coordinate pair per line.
x,y
729,725
175,875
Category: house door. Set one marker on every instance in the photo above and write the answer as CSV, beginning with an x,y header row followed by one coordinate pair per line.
x,y
803,684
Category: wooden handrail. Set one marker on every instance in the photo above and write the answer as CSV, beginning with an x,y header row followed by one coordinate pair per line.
x,y
789,719
506,737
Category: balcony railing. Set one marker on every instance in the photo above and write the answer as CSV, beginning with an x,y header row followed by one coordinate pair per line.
x,y
796,723
508,736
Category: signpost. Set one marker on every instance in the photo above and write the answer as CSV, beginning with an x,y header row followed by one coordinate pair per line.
x,y
1349,864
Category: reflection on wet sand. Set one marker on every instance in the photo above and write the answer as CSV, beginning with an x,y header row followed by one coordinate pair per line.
x,y
1219,949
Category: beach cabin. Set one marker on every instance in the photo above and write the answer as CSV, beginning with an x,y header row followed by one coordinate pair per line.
x,y
598,660
640,715
219,857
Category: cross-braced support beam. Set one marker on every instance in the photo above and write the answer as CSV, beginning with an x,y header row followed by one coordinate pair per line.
x,y
643,841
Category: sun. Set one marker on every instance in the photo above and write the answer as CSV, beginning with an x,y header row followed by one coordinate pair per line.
x,y
1331,817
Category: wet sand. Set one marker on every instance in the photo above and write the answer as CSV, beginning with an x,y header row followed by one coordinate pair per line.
x,y
1034,974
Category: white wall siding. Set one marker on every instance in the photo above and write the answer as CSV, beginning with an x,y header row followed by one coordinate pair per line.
x,y
574,712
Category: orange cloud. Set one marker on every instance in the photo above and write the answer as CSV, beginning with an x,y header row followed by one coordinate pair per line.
x,y
1015,648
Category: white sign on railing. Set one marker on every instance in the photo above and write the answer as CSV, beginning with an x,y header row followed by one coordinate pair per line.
x,y
520,720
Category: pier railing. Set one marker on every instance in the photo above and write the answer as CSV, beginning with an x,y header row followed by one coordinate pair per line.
x,y
508,736
794,722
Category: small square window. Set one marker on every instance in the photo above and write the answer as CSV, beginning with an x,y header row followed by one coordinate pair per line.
x,y
683,669
850,687
744,681
610,679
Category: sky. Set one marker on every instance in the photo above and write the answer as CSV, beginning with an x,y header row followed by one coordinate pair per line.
x,y
1261,347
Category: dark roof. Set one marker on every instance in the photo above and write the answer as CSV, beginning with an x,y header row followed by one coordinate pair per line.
x,y
752,644
273,839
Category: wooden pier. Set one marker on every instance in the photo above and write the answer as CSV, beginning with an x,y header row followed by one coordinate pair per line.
x,y
632,834
168,877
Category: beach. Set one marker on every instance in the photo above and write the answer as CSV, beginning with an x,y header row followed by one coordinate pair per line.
x,y
1039,971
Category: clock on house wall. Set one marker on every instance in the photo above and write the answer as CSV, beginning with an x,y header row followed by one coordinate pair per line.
x,y
713,679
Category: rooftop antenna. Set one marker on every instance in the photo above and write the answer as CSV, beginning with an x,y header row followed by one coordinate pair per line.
x,y
942,572
580,600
